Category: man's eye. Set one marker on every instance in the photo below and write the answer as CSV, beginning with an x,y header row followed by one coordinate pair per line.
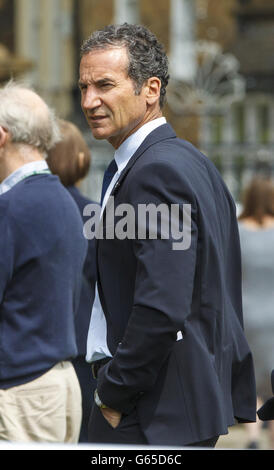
x,y
106,85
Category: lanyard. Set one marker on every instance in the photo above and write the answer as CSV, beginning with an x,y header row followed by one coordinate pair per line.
x,y
16,179
40,172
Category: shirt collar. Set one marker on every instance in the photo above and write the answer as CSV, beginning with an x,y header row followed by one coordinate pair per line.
x,y
22,172
127,149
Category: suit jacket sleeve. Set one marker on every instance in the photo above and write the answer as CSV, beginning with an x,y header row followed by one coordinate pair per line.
x,y
163,292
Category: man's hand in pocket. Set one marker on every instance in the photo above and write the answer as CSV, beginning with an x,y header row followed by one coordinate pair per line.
x,y
113,417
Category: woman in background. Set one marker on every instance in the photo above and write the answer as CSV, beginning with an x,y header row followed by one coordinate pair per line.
x,y
256,227
70,160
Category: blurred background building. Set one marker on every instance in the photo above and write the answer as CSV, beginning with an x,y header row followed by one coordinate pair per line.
x,y
221,94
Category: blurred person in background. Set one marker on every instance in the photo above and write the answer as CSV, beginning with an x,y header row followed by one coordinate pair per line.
x,y
42,253
256,227
70,159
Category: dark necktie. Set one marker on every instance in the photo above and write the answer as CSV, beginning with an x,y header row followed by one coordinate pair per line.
x,y
109,173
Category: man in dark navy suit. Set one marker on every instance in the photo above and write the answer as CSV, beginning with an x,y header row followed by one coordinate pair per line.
x,y
166,338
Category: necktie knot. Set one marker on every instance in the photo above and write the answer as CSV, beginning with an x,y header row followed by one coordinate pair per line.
x,y
108,175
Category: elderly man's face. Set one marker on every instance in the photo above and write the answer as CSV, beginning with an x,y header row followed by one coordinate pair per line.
x,y
108,98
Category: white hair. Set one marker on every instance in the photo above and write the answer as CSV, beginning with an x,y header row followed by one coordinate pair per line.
x,y
27,117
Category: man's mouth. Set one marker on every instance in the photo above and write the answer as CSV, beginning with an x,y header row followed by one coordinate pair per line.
x,y
96,118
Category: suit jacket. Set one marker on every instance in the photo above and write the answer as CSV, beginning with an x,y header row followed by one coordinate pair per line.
x,y
189,389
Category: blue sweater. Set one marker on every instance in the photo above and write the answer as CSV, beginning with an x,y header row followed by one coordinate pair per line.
x,y
42,253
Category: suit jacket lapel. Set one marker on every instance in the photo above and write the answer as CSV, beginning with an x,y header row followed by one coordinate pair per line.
x,y
160,133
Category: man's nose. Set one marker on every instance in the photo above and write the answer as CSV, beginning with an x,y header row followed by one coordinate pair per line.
x,y
91,99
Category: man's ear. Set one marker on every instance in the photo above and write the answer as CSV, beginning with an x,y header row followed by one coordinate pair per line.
x,y
3,136
81,159
153,89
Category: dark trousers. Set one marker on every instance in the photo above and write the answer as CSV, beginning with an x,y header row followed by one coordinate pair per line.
x,y
127,432
100,431
208,443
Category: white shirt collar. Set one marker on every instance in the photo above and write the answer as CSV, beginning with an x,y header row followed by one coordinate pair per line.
x,y
127,149
22,172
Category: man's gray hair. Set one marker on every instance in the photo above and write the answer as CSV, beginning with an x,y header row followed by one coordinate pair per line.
x,y
147,57
29,121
